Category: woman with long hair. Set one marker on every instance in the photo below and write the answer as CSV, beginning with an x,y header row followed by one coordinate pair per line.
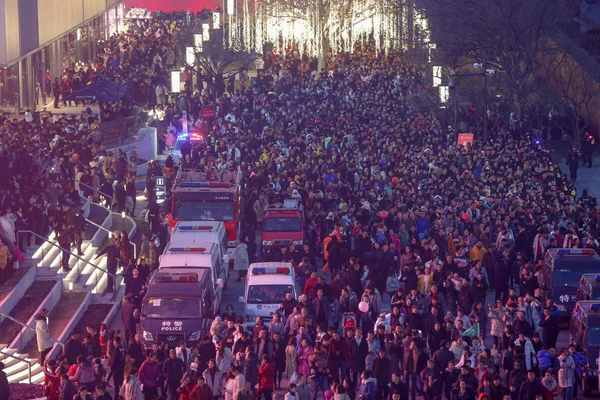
x,y
291,365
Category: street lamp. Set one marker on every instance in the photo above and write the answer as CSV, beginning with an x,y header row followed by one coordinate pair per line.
x,y
444,94
190,56
176,81
437,75
206,32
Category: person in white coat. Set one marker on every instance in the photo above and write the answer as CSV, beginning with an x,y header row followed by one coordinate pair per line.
x,y
184,353
241,261
565,374
213,377
131,388
528,350
42,331
238,382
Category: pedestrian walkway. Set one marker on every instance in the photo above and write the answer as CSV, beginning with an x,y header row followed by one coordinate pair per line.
x,y
587,178
72,110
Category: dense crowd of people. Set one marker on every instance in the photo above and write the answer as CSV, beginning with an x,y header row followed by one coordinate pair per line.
x,y
393,205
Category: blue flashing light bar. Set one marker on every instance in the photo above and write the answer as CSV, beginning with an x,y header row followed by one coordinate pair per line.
x,y
169,278
595,307
195,228
271,270
187,249
576,252
194,184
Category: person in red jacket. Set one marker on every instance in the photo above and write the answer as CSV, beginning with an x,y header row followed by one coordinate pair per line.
x,y
149,375
187,387
310,287
51,381
266,378
202,391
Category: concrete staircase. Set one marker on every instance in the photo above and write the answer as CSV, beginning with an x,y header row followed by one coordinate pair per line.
x,y
17,370
82,285
83,274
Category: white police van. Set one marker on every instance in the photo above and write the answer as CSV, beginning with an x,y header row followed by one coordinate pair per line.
x,y
189,233
266,286
179,254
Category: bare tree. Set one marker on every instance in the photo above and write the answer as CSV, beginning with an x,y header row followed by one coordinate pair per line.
x,y
212,59
317,26
508,35
576,88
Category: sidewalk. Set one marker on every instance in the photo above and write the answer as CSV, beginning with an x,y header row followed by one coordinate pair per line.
x,y
587,178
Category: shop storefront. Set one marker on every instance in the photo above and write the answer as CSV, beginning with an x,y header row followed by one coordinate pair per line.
x,y
27,82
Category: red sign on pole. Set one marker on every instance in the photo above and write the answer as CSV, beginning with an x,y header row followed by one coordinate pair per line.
x,y
209,112
464,139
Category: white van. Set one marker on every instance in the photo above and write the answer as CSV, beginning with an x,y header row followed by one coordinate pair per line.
x,y
205,232
266,286
200,255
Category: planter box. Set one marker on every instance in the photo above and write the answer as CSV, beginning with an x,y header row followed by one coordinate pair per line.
x,y
49,302
13,297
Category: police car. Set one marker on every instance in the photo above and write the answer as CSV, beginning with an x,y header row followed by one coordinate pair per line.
x,y
585,335
266,287
177,306
589,287
195,137
562,270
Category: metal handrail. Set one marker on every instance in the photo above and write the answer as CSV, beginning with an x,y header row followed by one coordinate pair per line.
x,y
73,254
93,188
30,328
20,359
111,232
98,226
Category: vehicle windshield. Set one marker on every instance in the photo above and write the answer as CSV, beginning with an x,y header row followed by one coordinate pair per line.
x,y
594,337
282,224
567,277
186,210
172,308
268,294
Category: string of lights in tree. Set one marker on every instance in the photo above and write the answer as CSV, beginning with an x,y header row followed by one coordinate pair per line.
x,y
316,26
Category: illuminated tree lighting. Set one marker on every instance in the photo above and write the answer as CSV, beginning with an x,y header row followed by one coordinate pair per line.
x,y
318,27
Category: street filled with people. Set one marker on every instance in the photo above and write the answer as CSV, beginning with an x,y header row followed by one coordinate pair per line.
x,y
422,270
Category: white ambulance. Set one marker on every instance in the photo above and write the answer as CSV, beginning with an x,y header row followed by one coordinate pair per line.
x,y
266,286
200,255
190,233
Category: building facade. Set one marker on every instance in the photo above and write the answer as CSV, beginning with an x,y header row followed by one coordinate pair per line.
x,y
41,38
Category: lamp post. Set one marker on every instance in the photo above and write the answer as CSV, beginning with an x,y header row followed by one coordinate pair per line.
x,y
485,73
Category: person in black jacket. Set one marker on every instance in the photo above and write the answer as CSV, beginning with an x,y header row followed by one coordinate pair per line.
x,y
381,372
361,355
73,348
531,388
397,386
68,390
117,362
173,370
443,356
4,388
112,262
550,329
449,378
127,310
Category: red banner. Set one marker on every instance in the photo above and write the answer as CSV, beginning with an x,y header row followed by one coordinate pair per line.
x,y
464,138
209,112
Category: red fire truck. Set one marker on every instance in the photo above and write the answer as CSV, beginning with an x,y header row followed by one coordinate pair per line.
x,y
207,196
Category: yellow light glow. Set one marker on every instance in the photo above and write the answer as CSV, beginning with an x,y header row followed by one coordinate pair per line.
x,y
216,20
